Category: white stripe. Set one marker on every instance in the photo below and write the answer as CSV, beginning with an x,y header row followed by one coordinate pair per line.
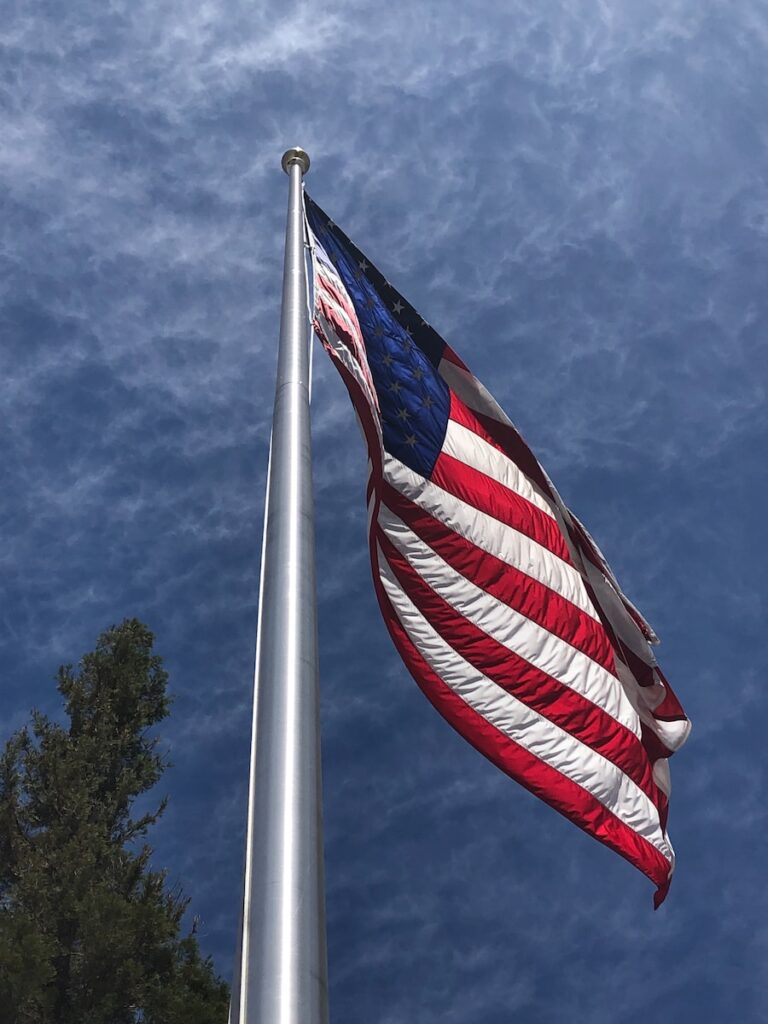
x,y
327,269
346,357
540,737
478,398
323,261
341,313
372,498
661,776
471,391
630,607
672,734
490,534
474,451
328,277
355,360
352,325
325,282
357,350
518,634
645,699
610,600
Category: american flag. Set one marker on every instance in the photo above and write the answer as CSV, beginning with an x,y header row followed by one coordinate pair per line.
x,y
498,600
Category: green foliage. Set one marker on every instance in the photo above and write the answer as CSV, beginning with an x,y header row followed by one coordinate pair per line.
x,y
89,932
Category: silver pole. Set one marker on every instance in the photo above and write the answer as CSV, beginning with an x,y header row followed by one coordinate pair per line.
x,y
281,973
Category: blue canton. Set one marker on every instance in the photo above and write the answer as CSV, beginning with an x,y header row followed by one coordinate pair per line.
x,y
414,399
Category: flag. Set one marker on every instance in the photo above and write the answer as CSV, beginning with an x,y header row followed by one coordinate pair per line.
x,y
498,600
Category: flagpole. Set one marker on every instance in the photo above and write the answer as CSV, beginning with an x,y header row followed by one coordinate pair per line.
x,y
281,973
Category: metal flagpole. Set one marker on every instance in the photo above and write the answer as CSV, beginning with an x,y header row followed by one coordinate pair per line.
x,y
281,973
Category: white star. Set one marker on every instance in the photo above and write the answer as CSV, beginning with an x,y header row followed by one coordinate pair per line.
x,y
363,264
398,307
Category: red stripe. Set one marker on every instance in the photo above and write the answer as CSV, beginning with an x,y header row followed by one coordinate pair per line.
x,y
451,356
504,437
505,582
670,709
341,298
362,405
590,551
560,792
639,667
326,292
461,413
508,439
654,746
352,341
340,327
548,696
489,496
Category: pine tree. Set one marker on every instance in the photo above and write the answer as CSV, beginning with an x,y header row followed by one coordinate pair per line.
x,y
90,933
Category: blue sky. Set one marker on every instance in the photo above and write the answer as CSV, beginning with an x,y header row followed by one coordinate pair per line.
x,y
574,194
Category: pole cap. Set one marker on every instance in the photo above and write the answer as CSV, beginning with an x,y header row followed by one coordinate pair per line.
x,y
295,155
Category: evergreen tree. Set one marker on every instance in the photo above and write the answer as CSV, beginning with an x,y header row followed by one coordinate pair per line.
x,y
89,932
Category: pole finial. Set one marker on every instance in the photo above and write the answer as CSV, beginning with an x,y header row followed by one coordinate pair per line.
x,y
295,155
